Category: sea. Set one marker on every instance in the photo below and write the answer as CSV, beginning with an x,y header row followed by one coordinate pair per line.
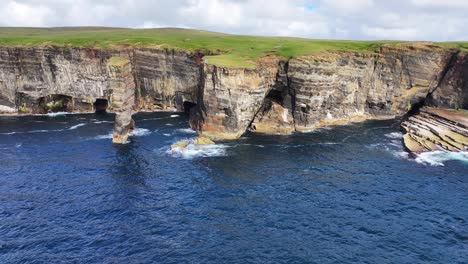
x,y
345,194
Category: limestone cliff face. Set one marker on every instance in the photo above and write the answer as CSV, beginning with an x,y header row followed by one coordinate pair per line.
x,y
335,88
277,97
452,91
166,78
229,98
29,75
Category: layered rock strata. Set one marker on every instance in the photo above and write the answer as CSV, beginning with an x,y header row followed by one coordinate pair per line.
x,y
277,97
436,129
229,98
122,85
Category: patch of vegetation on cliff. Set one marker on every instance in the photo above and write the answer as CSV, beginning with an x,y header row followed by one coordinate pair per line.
x,y
233,50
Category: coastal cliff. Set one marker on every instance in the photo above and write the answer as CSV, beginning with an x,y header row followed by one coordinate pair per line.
x,y
277,96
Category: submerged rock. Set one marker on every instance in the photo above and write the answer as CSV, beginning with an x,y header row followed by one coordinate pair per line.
x,y
203,141
180,145
200,141
436,129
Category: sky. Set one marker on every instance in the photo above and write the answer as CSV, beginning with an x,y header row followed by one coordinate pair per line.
x,y
431,20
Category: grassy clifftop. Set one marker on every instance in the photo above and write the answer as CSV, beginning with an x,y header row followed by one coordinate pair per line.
x,y
235,50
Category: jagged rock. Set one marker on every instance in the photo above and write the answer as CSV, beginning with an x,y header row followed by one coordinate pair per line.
x,y
322,89
166,78
230,98
273,119
123,87
31,75
436,129
452,91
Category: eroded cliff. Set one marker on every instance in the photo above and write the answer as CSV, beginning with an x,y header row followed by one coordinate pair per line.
x,y
277,97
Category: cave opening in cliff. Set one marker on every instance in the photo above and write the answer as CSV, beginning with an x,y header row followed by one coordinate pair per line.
x,y
55,103
188,106
100,106
276,96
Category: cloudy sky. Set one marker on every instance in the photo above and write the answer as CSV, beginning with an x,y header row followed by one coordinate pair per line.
x,y
437,20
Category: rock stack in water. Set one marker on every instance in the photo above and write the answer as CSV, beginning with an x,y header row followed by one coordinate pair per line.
x,y
436,129
123,97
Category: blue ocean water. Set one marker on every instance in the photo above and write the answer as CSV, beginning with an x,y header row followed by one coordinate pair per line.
x,y
346,194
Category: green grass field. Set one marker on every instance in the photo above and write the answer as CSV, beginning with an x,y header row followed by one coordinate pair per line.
x,y
233,50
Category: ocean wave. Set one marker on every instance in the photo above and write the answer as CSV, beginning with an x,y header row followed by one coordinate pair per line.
x,y
140,132
186,131
394,148
194,151
76,126
44,130
55,114
174,116
101,137
394,135
102,122
437,158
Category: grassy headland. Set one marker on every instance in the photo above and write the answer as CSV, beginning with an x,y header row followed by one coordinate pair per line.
x,y
234,50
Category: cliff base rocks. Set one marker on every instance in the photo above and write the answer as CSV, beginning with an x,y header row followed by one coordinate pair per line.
x,y
436,129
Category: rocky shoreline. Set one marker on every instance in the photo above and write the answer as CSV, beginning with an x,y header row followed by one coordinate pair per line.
x,y
436,129
277,97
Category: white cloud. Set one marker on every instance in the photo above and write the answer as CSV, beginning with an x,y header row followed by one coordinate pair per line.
x,y
15,13
441,4
357,19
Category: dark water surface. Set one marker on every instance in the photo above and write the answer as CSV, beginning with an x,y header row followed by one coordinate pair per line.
x,y
341,195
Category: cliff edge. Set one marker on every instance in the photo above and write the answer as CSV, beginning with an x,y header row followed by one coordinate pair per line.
x,y
270,92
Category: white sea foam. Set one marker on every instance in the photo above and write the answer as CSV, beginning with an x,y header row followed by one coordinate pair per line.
x,y
174,116
169,124
76,126
44,130
102,122
395,135
186,131
54,114
166,135
195,151
140,132
101,137
437,158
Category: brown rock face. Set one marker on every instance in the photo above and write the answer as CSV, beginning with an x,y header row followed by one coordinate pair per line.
x,y
436,129
452,91
123,97
230,98
166,79
29,76
278,97
273,119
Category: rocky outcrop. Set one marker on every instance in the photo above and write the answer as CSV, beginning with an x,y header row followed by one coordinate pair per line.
x,y
122,85
452,91
167,79
229,98
277,97
436,129
340,87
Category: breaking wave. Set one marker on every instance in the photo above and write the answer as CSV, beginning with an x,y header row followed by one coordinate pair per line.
x,y
140,132
55,114
437,158
395,135
186,131
44,130
194,151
